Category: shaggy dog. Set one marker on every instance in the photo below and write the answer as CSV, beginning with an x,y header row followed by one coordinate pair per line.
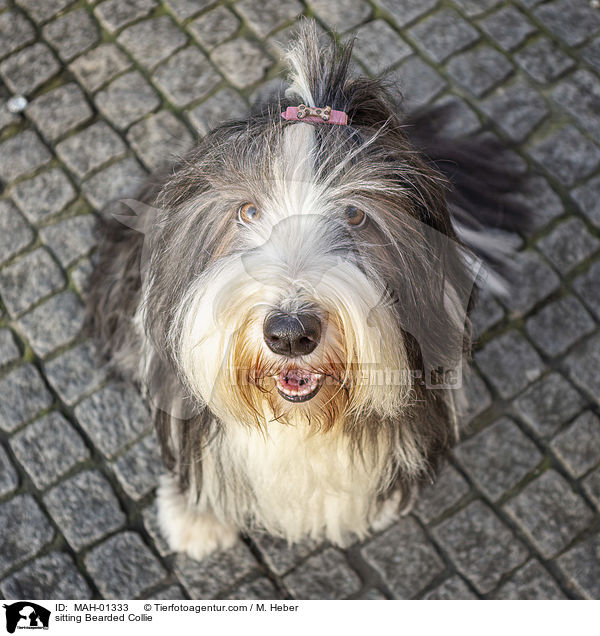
x,y
293,297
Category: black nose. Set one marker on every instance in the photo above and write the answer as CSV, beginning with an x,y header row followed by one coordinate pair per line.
x,y
292,334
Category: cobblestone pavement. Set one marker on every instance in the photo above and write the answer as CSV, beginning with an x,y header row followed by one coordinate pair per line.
x,y
113,87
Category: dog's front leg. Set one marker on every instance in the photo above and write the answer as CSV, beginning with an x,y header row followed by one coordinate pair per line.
x,y
187,527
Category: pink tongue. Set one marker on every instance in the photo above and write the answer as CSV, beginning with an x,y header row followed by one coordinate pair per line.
x,y
294,378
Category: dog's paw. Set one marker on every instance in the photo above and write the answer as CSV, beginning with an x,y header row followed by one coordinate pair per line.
x,y
390,511
187,529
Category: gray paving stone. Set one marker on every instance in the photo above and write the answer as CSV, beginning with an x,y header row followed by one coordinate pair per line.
x,y
120,180
114,14
266,91
24,396
6,117
498,458
152,527
405,558
567,155
446,490
582,565
549,513
418,82
28,69
591,485
324,575
214,27
15,32
9,352
508,27
473,8
54,323
462,120
90,149
442,34
549,403
583,364
452,589
517,109
219,571
159,139
487,313
269,15
22,154
224,105
480,545
588,287
42,11
75,372
260,588
540,199
184,9
540,282
127,99
15,233
406,11
59,111
559,325
48,448
152,41
85,508
532,582
509,363
53,576
578,447
571,20
579,95
28,280
591,53
139,468
186,77
9,479
568,244
170,593
71,238
378,47
343,15
98,66
372,594
25,530
587,197
280,555
113,417
80,275
479,70
71,34
477,398
44,195
543,60
242,62
123,567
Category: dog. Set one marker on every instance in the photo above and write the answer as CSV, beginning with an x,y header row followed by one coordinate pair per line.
x,y
293,298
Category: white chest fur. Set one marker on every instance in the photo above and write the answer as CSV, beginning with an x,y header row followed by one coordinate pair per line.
x,y
291,483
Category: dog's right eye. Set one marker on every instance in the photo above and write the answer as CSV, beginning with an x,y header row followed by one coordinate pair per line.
x,y
248,213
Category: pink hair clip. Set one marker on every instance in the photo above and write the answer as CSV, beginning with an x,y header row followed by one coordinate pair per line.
x,y
315,115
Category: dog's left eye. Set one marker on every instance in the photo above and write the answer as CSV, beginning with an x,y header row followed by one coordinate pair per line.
x,y
354,216
248,213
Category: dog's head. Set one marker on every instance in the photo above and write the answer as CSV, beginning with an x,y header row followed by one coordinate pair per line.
x,y
307,270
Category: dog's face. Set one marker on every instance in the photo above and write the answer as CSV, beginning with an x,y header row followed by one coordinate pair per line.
x,y
300,272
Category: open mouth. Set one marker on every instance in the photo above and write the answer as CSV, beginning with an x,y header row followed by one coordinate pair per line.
x,y
298,385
